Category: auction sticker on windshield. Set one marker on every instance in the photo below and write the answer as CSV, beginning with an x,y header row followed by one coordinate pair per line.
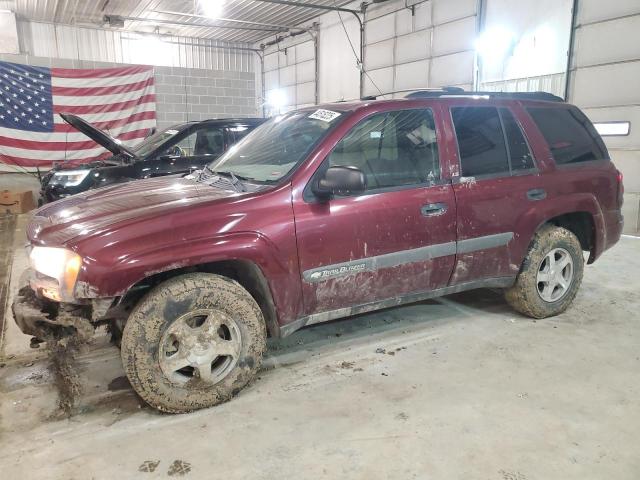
x,y
324,115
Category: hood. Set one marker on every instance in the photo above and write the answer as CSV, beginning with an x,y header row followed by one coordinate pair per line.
x,y
96,211
102,138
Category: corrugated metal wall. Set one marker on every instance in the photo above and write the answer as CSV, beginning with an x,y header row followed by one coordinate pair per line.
x,y
79,43
604,81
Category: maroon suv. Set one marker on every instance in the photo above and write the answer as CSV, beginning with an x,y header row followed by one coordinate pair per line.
x,y
318,214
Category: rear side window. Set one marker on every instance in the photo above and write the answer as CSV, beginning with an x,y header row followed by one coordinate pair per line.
x,y
570,135
519,153
481,142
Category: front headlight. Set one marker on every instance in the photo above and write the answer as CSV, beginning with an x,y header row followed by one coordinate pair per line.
x,y
58,264
70,178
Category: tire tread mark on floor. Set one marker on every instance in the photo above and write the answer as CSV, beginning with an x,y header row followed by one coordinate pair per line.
x,y
7,230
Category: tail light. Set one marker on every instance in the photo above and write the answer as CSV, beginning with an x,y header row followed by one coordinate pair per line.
x,y
620,188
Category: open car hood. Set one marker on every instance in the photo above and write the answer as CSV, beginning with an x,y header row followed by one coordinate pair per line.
x,y
100,137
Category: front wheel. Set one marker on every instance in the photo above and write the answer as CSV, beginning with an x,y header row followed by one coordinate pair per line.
x,y
550,276
194,341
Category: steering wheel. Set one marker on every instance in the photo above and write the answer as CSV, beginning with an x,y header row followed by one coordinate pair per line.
x,y
176,151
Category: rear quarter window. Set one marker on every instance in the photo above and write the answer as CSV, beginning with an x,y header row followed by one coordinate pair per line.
x,y
569,134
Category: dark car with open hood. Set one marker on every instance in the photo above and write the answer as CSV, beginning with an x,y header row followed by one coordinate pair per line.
x,y
178,149
318,214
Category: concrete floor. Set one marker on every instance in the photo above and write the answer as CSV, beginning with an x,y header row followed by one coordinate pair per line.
x,y
465,389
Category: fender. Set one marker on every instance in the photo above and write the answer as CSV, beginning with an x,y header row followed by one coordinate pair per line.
x,y
542,211
278,267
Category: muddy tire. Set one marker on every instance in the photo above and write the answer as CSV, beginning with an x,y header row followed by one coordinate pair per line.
x,y
550,275
192,342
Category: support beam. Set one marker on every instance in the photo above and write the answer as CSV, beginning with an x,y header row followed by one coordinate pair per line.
x,y
244,22
311,5
156,21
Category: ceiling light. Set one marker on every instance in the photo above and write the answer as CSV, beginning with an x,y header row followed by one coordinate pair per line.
x,y
212,8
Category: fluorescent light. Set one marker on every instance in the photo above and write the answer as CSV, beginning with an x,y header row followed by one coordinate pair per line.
x,y
494,44
613,128
212,8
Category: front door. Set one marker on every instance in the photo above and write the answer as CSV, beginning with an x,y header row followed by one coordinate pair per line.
x,y
396,238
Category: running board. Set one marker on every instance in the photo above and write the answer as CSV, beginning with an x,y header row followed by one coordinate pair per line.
x,y
289,328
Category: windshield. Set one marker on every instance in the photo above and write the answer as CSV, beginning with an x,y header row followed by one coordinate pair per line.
x,y
151,143
274,148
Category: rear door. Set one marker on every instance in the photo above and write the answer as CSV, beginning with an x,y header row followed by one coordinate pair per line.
x,y
498,183
396,238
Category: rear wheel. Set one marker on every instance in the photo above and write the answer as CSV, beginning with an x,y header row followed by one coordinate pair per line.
x,y
194,341
550,276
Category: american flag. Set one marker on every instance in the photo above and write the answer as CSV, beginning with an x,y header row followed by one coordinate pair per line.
x,y
119,100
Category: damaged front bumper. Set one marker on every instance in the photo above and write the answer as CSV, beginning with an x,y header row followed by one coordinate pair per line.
x,y
49,321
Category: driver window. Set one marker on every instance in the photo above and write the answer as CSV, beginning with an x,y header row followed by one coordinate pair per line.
x,y
392,149
185,147
209,142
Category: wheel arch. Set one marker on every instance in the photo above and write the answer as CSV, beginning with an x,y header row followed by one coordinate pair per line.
x,y
246,272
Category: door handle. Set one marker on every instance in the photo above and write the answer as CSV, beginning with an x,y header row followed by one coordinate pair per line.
x,y
433,209
537,194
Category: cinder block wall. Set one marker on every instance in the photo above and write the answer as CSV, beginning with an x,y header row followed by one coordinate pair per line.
x,y
194,94
182,94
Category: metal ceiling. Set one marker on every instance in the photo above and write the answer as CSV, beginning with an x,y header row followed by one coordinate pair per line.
x,y
250,15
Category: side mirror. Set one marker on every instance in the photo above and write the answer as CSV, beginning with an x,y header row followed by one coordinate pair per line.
x,y
340,181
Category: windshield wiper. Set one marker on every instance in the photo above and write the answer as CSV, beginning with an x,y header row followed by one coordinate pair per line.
x,y
206,169
237,184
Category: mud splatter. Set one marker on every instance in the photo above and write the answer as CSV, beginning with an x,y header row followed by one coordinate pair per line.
x,y
62,355
179,468
149,466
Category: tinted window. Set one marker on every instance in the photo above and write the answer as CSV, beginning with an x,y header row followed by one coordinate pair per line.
x,y
519,153
209,142
570,135
480,141
392,149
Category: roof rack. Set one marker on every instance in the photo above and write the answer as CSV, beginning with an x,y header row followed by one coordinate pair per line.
x,y
448,92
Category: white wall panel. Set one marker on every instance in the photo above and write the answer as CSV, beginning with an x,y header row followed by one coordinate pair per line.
x,y
305,93
305,51
271,62
608,85
422,18
454,37
452,70
613,41
380,54
306,71
8,33
288,76
271,81
595,10
380,29
379,81
413,46
412,75
404,22
448,10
